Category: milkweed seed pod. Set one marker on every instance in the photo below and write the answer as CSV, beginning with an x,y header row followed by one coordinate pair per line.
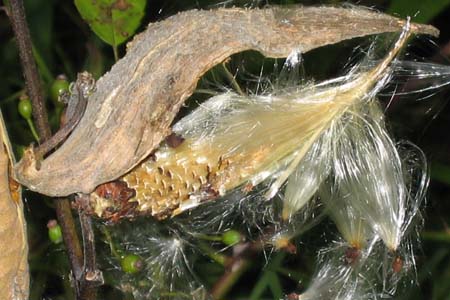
x,y
235,141
14,270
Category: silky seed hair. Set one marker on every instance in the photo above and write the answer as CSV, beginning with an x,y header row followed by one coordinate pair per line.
x,y
293,148
167,261
337,278
236,141
374,175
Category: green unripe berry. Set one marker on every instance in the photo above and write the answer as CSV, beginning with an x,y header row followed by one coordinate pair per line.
x,y
131,263
54,232
59,86
231,237
25,107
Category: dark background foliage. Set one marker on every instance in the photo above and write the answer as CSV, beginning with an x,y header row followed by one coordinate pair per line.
x,y
64,43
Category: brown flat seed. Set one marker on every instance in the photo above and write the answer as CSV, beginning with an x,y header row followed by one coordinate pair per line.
x,y
174,140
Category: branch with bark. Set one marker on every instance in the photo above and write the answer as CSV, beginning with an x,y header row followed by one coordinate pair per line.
x,y
34,88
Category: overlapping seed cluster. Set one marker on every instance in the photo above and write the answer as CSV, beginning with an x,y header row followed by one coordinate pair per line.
x,y
173,180
165,181
323,149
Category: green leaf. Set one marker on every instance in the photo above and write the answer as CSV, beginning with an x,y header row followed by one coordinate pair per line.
x,y
421,11
269,279
114,21
275,286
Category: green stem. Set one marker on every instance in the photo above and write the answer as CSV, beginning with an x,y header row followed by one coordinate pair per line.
x,y
437,236
233,80
33,130
212,238
13,97
111,243
206,91
221,288
269,279
62,56
211,253
116,53
42,66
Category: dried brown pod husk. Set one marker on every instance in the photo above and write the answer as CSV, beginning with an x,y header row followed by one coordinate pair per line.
x,y
14,274
134,104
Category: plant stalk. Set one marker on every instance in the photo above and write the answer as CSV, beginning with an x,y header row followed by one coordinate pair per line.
x,y
30,72
16,13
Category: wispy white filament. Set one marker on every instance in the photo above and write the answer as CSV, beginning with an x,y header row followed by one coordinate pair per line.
x,y
268,136
166,266
370,170
304,182
337,280
324,142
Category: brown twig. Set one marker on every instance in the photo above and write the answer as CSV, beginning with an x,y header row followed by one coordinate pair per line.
x,y
33,85
32,80
74,113
91,277
5,10
238,264
70,236
241,260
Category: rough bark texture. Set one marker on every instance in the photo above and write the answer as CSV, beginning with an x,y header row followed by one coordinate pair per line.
x,y
14,276
33,82
134,104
